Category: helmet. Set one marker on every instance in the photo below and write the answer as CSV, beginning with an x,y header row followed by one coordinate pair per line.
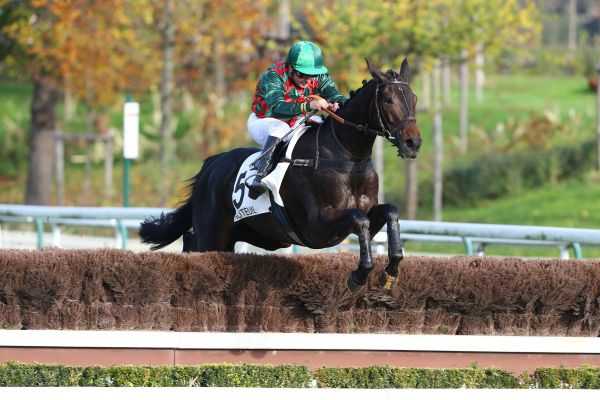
x,y
306,57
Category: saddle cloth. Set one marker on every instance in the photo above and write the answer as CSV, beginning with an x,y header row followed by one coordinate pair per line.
x,y
243,204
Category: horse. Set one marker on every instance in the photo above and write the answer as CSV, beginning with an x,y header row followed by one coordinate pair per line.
x,y
330,189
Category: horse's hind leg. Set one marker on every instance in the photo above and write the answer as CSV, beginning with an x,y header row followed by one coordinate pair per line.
x,y
212,227
388,214
189,242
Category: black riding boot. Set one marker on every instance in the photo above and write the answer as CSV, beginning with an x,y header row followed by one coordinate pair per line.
x,y
257,187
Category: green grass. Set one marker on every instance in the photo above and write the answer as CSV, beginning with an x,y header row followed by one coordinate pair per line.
x,y
569,204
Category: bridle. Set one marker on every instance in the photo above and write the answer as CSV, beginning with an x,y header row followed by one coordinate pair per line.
x,y
394,135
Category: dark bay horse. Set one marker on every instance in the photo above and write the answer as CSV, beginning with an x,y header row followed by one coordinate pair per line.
x,y
329,192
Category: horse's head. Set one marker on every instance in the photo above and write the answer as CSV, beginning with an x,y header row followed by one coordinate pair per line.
x,y
394,107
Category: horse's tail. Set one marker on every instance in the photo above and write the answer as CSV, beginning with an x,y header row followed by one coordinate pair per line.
x,y
164,230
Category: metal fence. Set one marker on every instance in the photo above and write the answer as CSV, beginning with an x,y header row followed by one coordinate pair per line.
x,y
473,237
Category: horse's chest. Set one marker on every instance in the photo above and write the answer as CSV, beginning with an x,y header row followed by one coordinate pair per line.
x,y
350,197
355,201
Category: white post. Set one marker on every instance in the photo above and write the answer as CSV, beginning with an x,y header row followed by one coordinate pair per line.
x,y
56,235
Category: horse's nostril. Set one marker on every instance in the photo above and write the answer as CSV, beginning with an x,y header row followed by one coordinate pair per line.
x,y
413,144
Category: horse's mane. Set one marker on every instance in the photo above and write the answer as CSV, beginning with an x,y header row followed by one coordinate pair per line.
x,y
390,74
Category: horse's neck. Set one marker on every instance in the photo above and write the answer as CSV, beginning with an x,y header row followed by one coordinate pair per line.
x,y
359,145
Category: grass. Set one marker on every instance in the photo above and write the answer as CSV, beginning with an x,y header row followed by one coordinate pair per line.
x,y
569,204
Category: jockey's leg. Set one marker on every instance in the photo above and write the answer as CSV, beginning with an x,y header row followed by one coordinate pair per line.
x,y
262,165
265,131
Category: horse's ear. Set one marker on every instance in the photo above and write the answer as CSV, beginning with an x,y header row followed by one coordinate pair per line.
x,y
404,70
377,74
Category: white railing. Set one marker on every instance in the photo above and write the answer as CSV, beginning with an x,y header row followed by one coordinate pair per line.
x,y
474,237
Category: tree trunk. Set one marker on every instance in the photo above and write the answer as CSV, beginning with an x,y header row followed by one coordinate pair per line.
x,y
437,143
464,104
426,97
572,30
411,189
166,91
446,80
479,73
41,142
284,20
598,116
379,167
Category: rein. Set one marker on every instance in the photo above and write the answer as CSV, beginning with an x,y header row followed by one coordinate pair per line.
x,y
365,128
365,165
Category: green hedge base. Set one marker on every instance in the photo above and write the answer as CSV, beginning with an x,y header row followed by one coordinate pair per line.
x,y
296,376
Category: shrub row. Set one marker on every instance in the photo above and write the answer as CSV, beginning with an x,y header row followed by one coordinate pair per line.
x,y
494,176
294,376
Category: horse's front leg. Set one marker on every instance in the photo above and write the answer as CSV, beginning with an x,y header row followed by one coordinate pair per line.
x,y
388,214
359,222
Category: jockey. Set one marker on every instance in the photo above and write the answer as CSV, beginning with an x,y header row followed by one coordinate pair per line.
x,y
282,96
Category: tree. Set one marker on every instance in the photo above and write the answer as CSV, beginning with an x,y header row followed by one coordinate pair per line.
x,y
68,44
386,31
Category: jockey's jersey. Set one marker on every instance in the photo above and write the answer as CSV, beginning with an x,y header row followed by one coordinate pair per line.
x,y
278,97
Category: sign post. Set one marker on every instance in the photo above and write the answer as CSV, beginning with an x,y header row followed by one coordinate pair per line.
x,y
131,134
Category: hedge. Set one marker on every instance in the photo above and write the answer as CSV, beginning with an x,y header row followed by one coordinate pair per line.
x,y
18,374
296,376
496,175
377,377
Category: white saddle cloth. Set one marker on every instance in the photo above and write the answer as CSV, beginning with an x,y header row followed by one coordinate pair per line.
x,y
243,204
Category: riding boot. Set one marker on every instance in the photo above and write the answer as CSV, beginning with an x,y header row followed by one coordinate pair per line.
x,y
257,187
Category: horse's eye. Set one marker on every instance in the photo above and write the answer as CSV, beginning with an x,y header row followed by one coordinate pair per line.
x,y
388,100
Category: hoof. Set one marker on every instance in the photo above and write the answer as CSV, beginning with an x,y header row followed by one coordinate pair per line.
x,y
386,281
353,286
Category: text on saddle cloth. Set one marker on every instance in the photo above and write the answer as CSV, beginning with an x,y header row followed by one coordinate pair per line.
x,y
243,204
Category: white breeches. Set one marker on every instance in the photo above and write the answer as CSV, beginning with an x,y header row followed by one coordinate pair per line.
x,y
261,128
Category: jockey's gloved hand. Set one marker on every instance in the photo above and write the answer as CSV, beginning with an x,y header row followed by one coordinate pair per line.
x,y
319,104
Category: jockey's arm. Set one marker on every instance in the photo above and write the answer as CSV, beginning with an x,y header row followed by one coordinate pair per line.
x,y
329,91
273,87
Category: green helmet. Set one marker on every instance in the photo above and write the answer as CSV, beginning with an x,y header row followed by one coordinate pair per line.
x,y
306,57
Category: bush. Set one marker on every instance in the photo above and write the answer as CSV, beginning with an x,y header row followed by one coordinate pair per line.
x,y
17,374
295,376
377,377
585,377
494,176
